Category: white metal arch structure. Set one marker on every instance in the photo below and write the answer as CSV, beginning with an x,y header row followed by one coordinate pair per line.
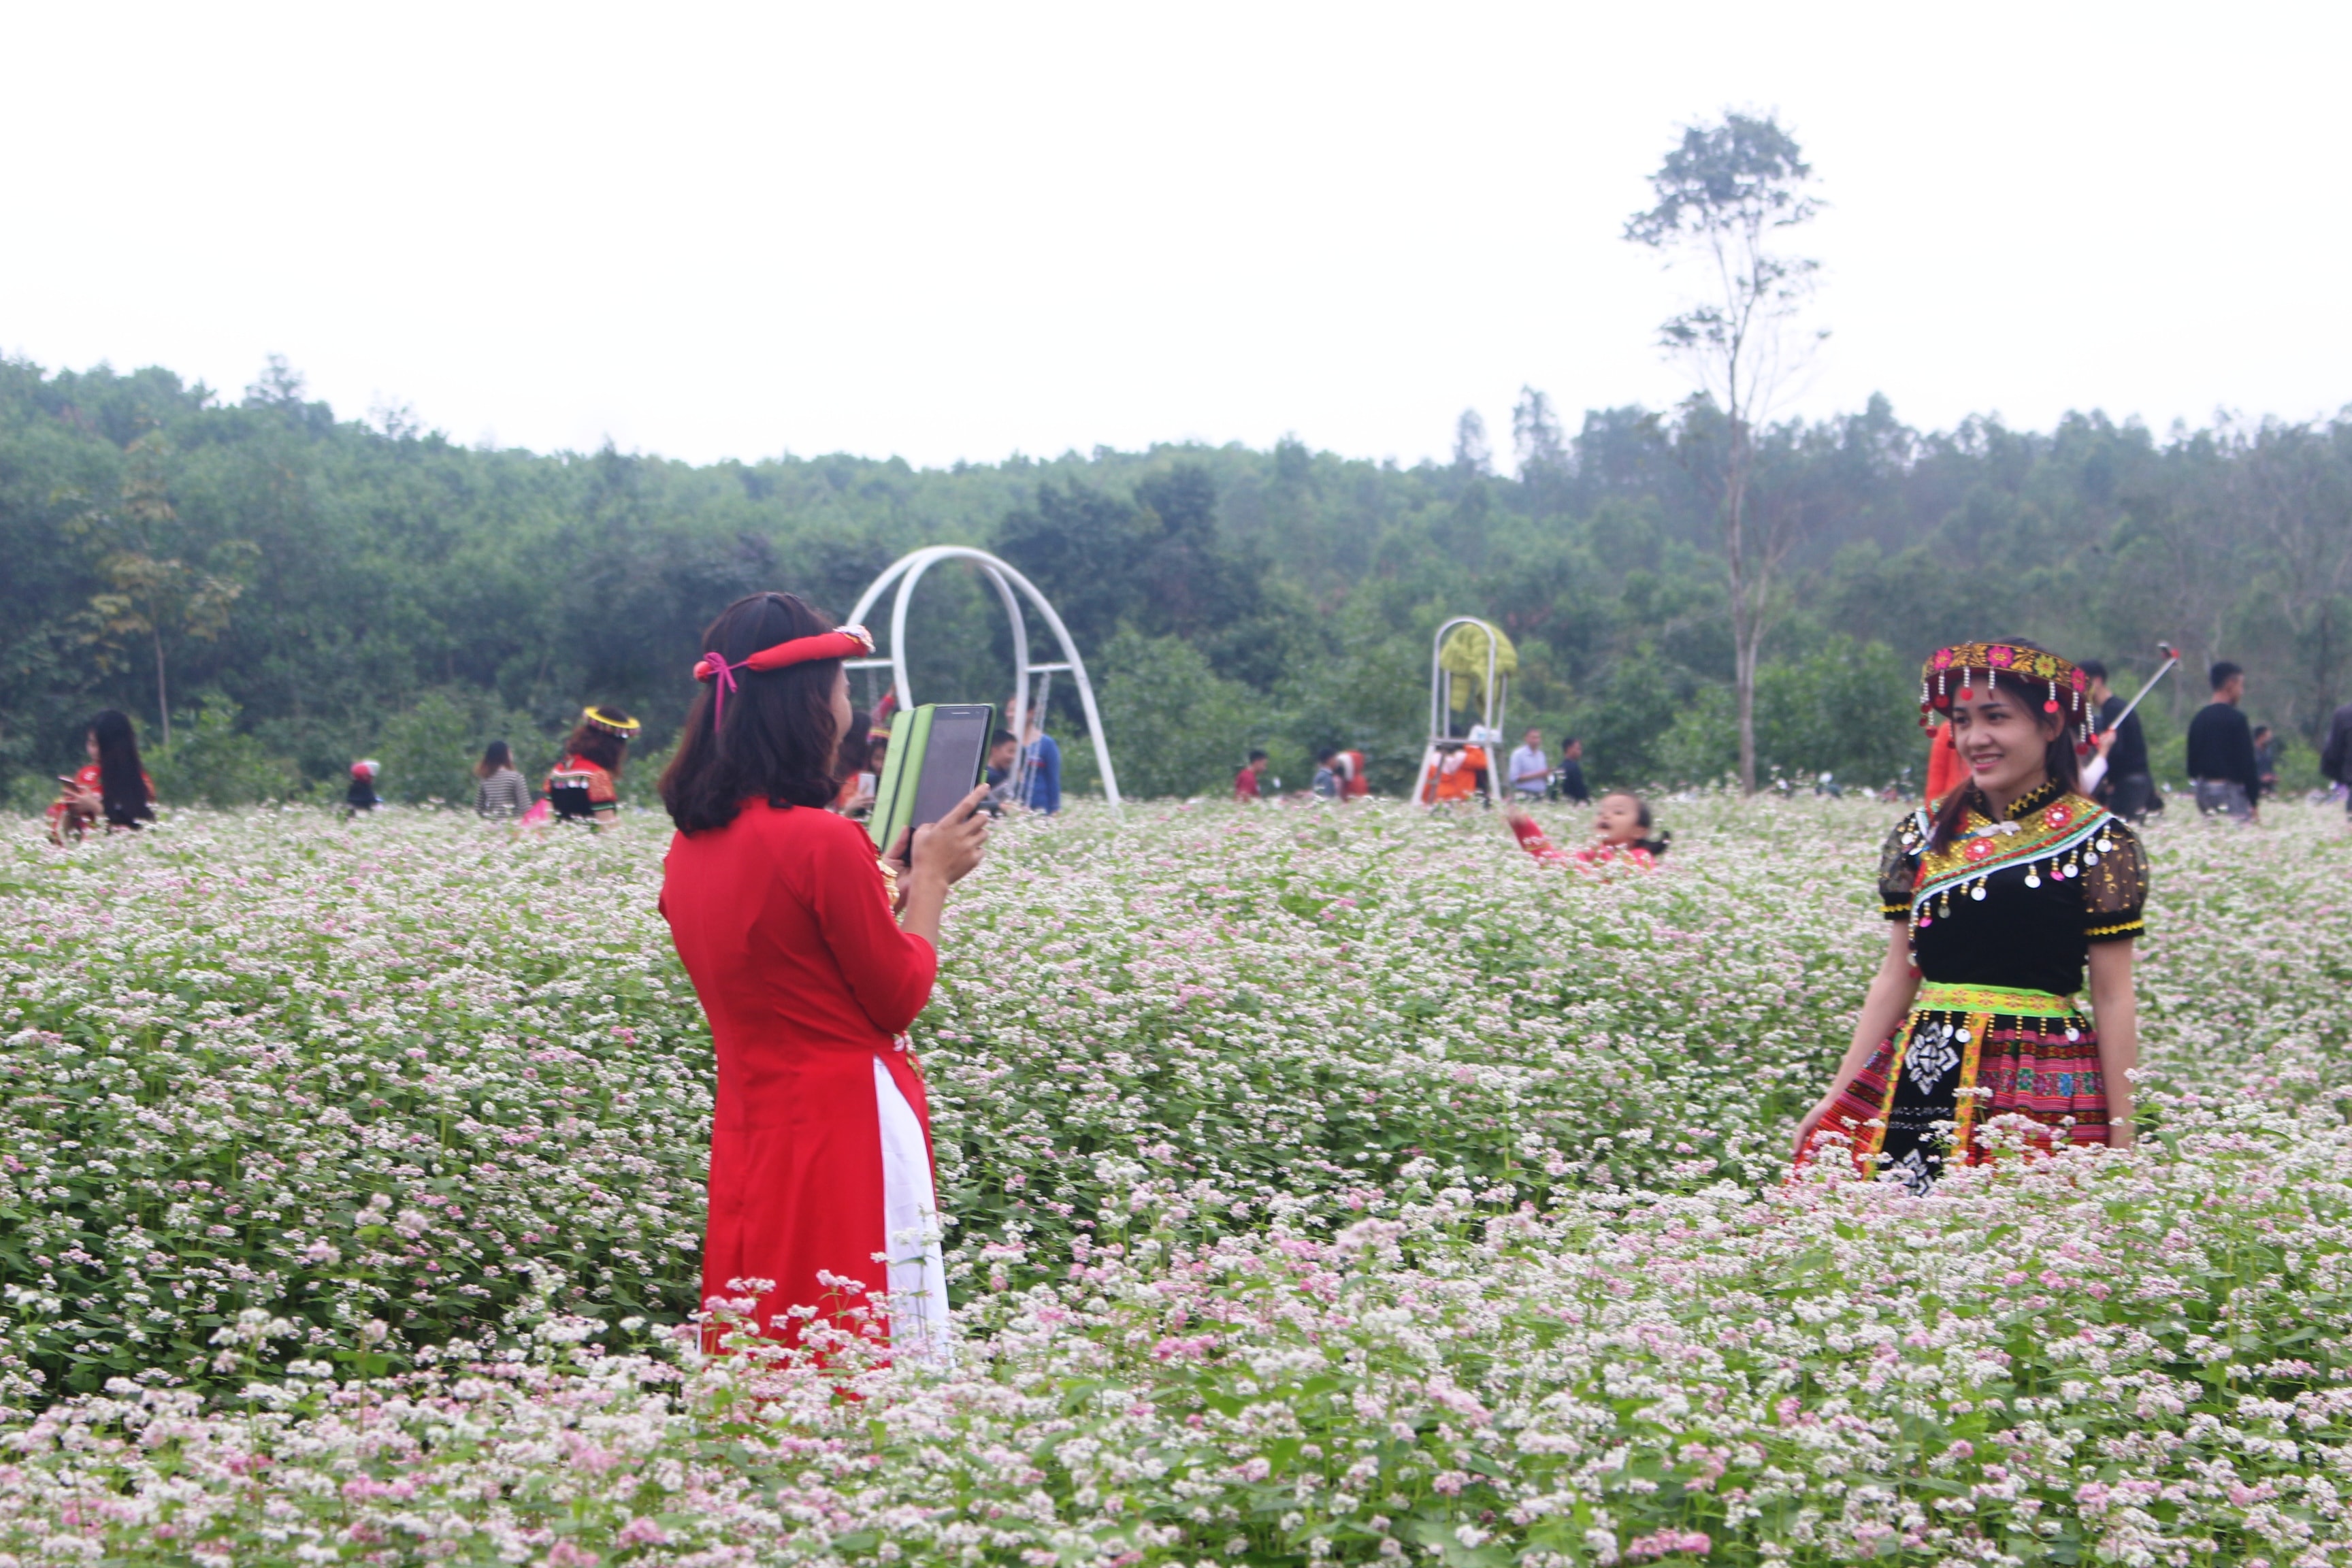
x,y
908,570
1441,700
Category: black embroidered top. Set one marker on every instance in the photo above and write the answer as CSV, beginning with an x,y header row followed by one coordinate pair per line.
x,y
2016,902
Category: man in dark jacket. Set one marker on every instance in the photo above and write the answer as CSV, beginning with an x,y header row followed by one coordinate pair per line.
x,y
2222,750
2336,757
1567,779
2129,786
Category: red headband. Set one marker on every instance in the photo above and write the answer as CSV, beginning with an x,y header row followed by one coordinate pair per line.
x,y
842,642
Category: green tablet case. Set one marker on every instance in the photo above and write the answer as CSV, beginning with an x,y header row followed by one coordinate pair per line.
x,y
902,771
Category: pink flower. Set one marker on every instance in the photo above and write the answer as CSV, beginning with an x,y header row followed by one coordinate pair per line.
x,y
1667,1542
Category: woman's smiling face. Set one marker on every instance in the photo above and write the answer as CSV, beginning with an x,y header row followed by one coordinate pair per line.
x,y
2003,738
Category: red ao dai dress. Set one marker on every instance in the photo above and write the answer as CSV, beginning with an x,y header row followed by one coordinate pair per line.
x,y
820,1143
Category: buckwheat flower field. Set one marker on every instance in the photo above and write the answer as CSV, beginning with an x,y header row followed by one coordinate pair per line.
x,y
1323,1187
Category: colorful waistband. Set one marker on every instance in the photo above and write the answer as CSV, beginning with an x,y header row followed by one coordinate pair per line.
x,y
2008,1000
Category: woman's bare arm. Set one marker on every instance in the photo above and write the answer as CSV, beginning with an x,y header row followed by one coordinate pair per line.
x,y
939,855
2114,1010
1892,991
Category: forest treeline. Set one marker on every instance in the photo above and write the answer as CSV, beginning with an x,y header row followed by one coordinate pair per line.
x,y
293,590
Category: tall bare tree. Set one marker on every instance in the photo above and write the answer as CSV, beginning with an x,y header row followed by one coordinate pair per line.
x,y
1723,195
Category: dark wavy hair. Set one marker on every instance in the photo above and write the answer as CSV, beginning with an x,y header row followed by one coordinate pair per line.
x,y
779,742
2059,758
602,747
497,757
121,782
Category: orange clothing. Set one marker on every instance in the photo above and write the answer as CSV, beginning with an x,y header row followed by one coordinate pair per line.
x,y
580,790
1946,771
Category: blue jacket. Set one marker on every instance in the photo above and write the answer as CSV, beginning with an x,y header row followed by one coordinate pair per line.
x,y
1044,774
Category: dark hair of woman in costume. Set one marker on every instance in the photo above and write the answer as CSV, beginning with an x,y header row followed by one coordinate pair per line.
x,y
782,738
496,758
2059,758
602,747
121,782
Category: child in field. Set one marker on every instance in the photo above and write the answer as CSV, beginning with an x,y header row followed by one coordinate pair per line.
x,y
1003,753
361,795
1623,833
1246,782
2000,895
111,788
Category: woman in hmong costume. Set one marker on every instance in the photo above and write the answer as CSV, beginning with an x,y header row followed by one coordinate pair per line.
x,y
2001,892
582,788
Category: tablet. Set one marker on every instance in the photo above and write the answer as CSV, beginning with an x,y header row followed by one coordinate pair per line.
x,y
936,755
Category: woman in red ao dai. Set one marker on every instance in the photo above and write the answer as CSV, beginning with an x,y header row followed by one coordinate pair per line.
x,y
2001,895
811,959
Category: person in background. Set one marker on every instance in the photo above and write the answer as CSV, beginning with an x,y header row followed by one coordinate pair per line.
x,y
1945,771
2222,750
1621,835
1246,782
1998,899
1003,751
2266,756
811,958
1327,783
1355,781
582,787
2129,785
1568,782
1478,760
112,788
1530,769
1044,765
2336,756
362,796
502,792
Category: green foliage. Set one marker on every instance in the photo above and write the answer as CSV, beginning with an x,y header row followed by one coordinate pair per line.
x,y
357,591
429,752
212,762
1176,727
1844,709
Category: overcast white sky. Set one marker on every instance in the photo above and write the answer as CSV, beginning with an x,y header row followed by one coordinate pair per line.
x,y
968,230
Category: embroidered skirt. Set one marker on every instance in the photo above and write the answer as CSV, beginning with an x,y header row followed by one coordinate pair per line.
x,y
1966,1055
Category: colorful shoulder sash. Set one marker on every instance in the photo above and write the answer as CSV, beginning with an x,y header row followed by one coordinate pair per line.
x,y
2062,833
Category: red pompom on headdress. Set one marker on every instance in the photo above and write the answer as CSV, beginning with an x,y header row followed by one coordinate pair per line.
x,y
842,642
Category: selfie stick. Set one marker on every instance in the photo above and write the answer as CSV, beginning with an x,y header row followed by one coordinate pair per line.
x,y
2096,769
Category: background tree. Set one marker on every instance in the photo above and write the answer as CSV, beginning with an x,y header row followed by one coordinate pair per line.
x,y
1470,452
153,591
408,598
1722,196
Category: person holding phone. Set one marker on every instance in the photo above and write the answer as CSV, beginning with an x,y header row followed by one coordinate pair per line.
x,y
811,960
